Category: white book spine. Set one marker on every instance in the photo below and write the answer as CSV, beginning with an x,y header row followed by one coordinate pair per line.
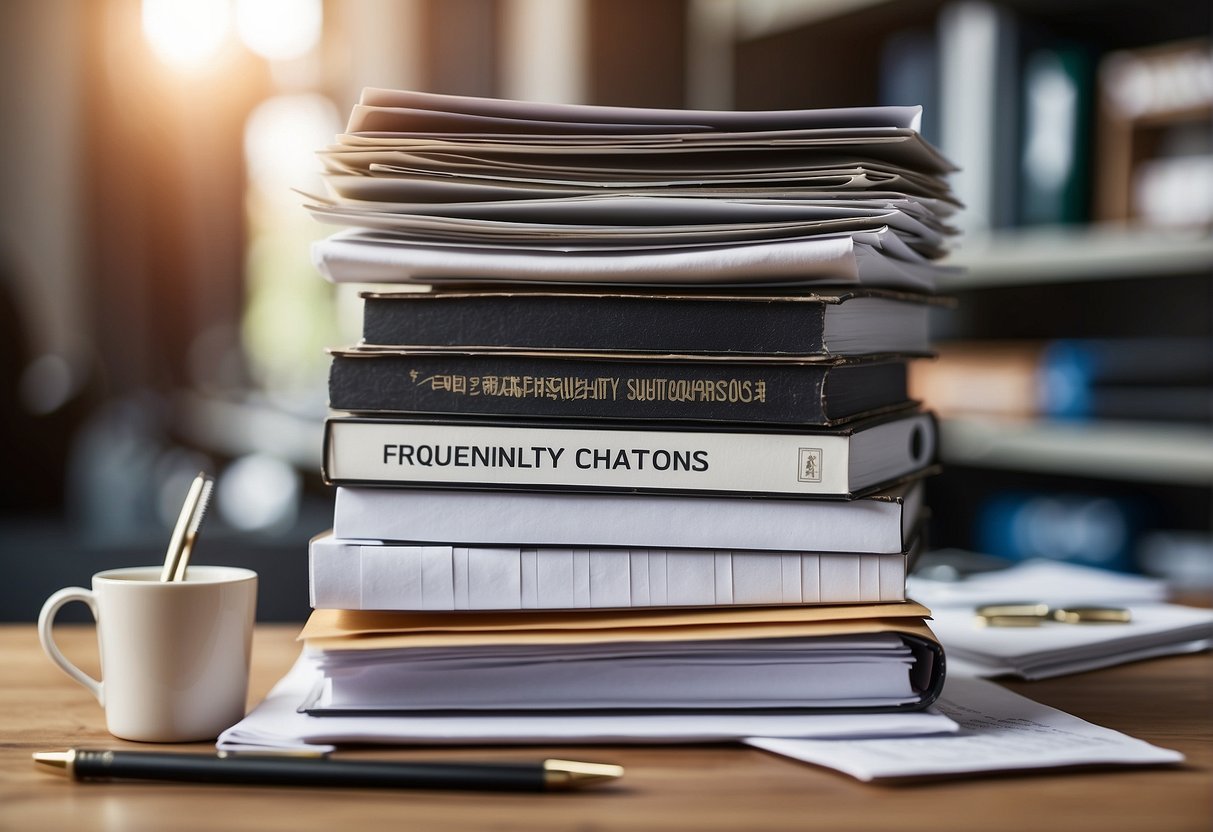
x,y
879,524
363,451
357,575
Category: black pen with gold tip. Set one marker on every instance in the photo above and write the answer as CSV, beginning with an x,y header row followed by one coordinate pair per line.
x,y
281,770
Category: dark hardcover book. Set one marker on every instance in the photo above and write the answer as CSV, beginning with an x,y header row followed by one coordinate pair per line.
x,y
1057,89
830,323
615,386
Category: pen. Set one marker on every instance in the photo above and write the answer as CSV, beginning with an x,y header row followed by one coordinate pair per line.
x,y
85,764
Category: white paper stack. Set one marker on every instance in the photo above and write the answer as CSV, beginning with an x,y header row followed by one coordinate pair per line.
x,y
279,724
861,671
377,575
845,657
445,189
654,595
1056,649
1155,628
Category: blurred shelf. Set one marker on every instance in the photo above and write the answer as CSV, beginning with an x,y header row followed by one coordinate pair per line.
x,y
762,18
1049,255
1132,451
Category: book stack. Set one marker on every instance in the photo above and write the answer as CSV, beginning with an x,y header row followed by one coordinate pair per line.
x,y
644,442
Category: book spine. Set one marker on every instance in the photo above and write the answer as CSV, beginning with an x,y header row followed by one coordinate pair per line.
x,y
834,463
439,454
979,125
877,524
543,387
1054,168
597,322
350,575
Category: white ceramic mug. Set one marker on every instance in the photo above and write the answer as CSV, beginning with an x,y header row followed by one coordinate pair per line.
x,y
174,656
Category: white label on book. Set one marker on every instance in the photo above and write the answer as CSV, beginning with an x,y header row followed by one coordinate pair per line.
x,y
437,578
370,451
841,574
724,577
810,579
657,578
460,556
690,578
530,579
494,574
581,579
758,579
791,579
610,581
555,571
638,575
386,581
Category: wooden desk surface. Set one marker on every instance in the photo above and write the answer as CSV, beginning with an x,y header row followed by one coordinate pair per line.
x,y
1165,701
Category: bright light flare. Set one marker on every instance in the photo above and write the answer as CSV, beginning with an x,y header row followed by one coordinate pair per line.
x,y
280,141
279,29
186,33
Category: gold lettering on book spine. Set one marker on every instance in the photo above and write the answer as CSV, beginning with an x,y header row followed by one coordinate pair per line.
x,y
597,388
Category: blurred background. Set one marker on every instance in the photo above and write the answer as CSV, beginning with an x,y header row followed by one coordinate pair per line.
x,y
160,316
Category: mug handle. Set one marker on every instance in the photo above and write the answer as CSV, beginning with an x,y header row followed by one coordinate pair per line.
x,y
46,620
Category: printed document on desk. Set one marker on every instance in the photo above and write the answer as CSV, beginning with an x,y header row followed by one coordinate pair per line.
x,y
1055,649
1052,648
999,731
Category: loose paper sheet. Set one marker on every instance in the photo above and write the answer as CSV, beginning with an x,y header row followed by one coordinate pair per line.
x,y
1038,581
349,256
376,97
1055,649
1000,731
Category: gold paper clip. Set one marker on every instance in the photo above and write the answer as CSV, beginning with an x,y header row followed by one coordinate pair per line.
x,y
1034,615
1012,615
1092,615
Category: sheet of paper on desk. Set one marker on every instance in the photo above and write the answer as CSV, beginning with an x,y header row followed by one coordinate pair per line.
x,y
1054,649
1000,731
276,723
1037,581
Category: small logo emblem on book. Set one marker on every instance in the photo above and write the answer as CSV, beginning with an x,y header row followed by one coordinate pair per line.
x,y
810,465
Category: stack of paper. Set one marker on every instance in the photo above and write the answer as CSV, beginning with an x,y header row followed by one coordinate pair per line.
x,y
823,658
374,575
588,561
281,722
453,189
661,676
1053,648
606,502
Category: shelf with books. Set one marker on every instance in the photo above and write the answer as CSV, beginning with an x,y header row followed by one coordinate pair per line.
x,y
1139,452
1082,138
